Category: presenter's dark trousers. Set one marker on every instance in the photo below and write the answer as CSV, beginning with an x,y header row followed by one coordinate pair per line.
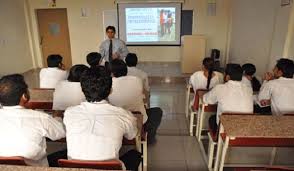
x,y
152,123
54,157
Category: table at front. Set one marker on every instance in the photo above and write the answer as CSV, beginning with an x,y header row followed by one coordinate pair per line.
x,y
251,131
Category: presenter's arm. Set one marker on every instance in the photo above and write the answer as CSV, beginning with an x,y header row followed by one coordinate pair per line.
x,y
124,50
102,50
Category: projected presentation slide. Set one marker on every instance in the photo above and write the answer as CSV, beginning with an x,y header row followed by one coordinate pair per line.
x,y
150,24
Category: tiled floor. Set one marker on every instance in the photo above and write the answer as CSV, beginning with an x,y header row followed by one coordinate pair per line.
x,y
175,150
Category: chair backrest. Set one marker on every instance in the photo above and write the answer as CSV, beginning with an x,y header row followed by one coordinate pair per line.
x,y
279,168
12,160
103,165
199,94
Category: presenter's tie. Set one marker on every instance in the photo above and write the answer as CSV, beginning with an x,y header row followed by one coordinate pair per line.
x,y
110,51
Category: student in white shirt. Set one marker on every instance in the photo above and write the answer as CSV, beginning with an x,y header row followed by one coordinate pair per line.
x,y
278,88
207,78
248,77
49,77
131,61
23,131
233,96
127,92
95,128
69,92
94,59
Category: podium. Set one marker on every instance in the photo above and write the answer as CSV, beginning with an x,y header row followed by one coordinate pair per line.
x,y
192,53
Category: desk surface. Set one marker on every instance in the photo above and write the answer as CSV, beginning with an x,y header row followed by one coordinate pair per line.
x,y
258,126
29,168
41,95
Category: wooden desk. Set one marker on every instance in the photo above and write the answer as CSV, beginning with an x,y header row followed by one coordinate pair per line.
x,y
30,168
40,99
253,131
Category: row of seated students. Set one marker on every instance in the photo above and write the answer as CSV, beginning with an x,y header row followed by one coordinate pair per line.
x,y
97,101
236,93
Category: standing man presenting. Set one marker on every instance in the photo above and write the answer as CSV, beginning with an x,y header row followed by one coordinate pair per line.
x,y
112,48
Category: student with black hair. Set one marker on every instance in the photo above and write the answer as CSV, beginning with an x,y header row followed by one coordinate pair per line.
x,y
23,131
55,72
127,92
248,77
94,59
112,48
69,92
95,128
132,61
278,88
207,78
233,96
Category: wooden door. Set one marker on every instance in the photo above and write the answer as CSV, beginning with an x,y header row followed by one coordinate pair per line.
x,y
54,35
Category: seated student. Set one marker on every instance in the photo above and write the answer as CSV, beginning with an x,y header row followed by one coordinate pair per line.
x,y
248,78
95,128
278,88
131,61
23,131
55,72
207,78
94,59
127,92
69,92
233,96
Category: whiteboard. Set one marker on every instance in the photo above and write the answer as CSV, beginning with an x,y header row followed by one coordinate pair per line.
x,y
110,19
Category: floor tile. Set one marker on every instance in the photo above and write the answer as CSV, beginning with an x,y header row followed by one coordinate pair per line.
x,y
167,148
168,166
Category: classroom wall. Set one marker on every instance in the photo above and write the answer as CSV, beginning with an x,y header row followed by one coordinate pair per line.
x,y
259,30
87,33
14,43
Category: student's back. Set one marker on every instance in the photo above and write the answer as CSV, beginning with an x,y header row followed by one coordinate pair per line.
x,y
131,61
233,96
69,92
49,77
199,80
23,131
95,128
127,92
207,78
281,91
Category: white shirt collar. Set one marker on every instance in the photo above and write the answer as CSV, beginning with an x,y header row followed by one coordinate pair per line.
x,y
12,107
284,78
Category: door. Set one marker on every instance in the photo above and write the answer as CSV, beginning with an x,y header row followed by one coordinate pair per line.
x,y
54,35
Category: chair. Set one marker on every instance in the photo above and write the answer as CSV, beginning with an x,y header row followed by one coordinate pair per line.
x,y
279,168
105,165
143,141
189,91
12,160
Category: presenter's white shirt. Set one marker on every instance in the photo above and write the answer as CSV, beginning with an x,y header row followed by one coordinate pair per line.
x,y
133,71
127,92
49,77
23,133
281,94
67,94
199,81
118,46
232,96
94,131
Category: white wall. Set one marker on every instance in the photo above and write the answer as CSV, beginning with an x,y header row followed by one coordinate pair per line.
x,y
259,30
87,33
15,54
